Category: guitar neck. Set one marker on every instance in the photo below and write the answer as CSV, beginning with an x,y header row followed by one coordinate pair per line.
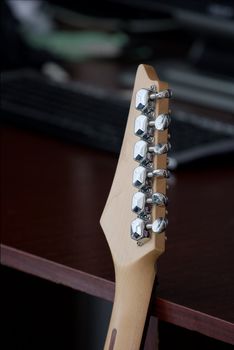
x,y
130,305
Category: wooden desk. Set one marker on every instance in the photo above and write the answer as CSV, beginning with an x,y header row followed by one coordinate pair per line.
x,y
52,196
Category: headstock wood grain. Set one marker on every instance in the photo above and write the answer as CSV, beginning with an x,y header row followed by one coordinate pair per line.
x,y
134,218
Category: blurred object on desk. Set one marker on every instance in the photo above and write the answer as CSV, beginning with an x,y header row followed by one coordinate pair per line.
x,y
79,113
16,52
90,54
79,46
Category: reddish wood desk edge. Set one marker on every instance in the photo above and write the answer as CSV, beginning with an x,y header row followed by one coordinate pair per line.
x,y
165,310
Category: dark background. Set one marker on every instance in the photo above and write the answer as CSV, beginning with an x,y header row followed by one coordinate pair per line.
x,y
193,38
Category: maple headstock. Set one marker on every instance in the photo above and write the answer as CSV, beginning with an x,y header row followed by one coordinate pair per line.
x,y
134,218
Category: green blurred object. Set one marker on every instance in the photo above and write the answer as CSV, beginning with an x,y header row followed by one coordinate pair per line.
x,y
78,45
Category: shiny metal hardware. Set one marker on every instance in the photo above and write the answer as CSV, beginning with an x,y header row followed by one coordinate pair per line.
x,y
159,173
139,200
161,94
144,150
141,123
140,175
158,226
160,148
141,149
171,163
137,229
145,96
142,99
162,122
158,199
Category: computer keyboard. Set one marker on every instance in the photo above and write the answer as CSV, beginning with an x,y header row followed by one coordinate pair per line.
x,y
76,114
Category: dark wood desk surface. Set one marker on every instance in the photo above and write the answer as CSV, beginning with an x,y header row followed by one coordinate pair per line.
x,y
52,196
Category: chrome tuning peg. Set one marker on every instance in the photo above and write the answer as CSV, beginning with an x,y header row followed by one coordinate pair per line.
x,y
142,99
160,148
141,149
139,200
145,96
159,173
139,230
158,226
162,122
142,123
158,199
161,94
140,175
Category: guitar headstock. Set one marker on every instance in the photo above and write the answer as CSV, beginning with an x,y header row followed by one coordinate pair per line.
x,y
134,218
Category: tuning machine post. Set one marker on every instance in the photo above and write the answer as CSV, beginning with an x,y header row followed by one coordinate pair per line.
x,y
158,226
162,122
140,200
142,148
143,124
145,98
141,174
140,229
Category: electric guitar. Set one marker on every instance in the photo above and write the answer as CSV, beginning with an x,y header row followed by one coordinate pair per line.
x,y
134,218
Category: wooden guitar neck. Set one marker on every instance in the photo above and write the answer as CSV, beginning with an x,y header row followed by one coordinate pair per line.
x,y
133,290
134,218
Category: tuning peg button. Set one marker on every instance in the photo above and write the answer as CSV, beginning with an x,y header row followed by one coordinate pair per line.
x,y
158,199
139,201
141,149
145,96
140,175
158,226
137,229
162,122
142,99
141,123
